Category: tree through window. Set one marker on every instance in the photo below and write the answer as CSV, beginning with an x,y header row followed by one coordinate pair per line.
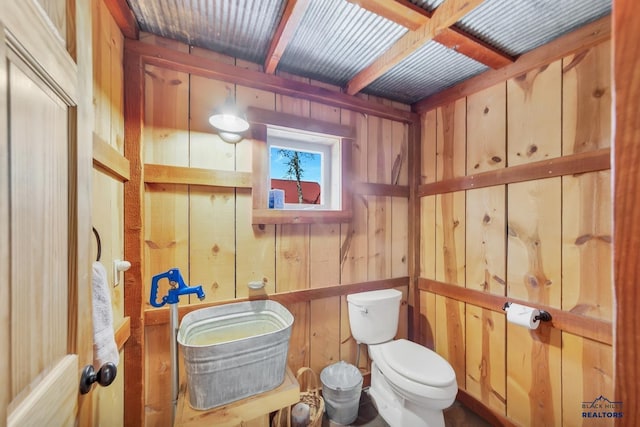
x,y
303,168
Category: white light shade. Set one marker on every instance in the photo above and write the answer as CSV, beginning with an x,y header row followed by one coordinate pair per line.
x,y
226,122
230,137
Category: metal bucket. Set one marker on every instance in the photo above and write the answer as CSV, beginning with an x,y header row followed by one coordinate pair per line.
x,y
234,351
341,388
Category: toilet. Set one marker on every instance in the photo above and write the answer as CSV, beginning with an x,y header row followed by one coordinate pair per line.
x,y
410,384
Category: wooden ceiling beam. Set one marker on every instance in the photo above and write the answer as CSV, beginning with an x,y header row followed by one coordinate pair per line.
x,y
402,12
291,17
473,48
447,14
124,18
413,17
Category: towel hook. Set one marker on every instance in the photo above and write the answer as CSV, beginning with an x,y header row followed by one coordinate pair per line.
x,y
95,232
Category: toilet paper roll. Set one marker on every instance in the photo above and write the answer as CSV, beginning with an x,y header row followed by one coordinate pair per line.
x,y
523,316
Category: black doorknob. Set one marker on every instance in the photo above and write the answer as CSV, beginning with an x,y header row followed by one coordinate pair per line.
x,y
105,376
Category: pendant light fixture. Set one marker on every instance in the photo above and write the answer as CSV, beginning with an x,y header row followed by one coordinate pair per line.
x,y
229,121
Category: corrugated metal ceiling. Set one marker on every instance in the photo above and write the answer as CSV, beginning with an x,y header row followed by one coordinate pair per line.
x,y
240,28
429,5
336,39
429,70
517,26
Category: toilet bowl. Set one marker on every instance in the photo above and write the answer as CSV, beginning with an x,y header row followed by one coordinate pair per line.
x,y
410,384
414,379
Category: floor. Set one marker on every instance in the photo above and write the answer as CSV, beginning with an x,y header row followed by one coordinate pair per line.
x,y
455,416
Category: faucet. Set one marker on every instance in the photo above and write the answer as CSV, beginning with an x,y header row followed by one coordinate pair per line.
x,y
178,287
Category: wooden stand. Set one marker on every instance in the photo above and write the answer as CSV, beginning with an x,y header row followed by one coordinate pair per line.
x,y
240,412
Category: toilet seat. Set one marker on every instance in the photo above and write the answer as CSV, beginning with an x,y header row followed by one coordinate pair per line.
x,y
418,363
415,369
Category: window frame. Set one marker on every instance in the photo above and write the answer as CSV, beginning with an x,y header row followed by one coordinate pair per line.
x,y
260,119
327,147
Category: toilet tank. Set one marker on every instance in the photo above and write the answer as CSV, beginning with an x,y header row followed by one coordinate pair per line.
x,y
373,315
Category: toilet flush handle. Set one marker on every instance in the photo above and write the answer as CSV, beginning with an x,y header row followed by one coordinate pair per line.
x,y
362,308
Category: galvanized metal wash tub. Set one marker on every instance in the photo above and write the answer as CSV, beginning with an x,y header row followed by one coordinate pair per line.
x,y
234,351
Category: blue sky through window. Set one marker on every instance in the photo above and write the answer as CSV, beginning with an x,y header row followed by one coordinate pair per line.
x,y
311,166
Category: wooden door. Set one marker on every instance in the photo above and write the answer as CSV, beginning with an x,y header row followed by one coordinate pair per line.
x,y
45,307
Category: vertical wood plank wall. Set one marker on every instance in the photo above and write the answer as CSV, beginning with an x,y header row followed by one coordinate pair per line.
x,y
626,178
108,193
207,231
544,241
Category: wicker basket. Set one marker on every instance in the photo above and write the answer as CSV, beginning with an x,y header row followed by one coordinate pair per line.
x,y
311,397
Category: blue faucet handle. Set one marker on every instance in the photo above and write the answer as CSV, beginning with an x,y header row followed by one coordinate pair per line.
x,y
153,298
173,296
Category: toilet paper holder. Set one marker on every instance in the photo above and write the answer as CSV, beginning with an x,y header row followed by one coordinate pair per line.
x,y
544,316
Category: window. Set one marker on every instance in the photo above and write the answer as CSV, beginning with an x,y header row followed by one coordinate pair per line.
x,y
304,160
305,165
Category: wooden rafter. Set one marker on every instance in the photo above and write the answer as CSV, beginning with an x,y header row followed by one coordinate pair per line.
x,y
124,18
409,15
293,13
473,47
445,16
402,12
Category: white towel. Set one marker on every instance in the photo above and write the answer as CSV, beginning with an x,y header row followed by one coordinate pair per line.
x,y
104,343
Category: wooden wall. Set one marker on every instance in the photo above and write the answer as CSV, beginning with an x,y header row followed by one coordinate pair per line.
x,y
520,236
108,202
626,216
206,231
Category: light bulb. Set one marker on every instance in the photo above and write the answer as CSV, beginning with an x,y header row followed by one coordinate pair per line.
x,y
230,137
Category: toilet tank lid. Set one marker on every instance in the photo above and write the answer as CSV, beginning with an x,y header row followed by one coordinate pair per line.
x,y
418,363
363,298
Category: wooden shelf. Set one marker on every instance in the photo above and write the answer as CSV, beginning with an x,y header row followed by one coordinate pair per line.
x,y
110,160
195,176
238,413
123,332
